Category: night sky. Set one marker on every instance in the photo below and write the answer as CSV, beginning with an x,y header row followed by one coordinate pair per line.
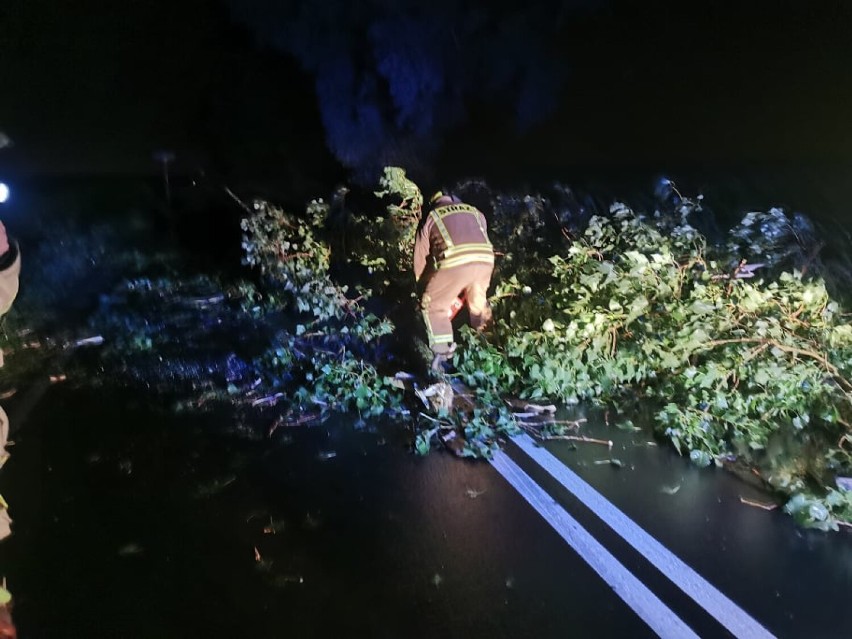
x,y
255,87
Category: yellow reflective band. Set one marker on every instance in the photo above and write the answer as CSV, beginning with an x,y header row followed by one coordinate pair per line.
x,y
442,229
467,259
469,247
449,209
444,337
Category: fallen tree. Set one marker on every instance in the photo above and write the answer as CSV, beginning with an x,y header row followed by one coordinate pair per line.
x,y
744,359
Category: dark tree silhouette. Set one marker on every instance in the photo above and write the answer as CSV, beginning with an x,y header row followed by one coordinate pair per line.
x,y
394,76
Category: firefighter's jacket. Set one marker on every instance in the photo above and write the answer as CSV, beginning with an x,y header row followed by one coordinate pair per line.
x,y
10,269
451,235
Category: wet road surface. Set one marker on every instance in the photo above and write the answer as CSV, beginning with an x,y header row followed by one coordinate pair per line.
x,y
131,522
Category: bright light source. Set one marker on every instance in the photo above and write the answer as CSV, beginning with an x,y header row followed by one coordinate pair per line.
x,y
4,193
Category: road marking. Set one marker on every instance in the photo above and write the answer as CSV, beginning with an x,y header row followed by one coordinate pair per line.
x,y
726,612
635,594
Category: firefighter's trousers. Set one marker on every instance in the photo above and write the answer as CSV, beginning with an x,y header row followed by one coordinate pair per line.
x,y
442,288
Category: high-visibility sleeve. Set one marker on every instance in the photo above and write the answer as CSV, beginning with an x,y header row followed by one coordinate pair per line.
x,y
421,249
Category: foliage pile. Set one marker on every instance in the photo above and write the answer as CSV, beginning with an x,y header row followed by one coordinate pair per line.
x,y
629,311
641,309
330,359
385,243
301,340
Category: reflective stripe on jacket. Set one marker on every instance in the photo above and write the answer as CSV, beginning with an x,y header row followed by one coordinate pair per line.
x,y
452,235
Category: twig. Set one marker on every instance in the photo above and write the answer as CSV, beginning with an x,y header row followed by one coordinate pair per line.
x,y
236,199
268,399
530,430
304,419
758,504
286,257
580,438
734,277
757,350
574,424
565,233
440,423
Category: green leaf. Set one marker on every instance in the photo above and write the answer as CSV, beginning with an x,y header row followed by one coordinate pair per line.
x,y
423,441
700,458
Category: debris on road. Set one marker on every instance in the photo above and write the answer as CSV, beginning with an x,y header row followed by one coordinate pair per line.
x,y
758,504
670,490
611,461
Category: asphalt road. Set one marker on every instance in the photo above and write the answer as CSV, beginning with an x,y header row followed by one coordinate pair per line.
x,y
132,522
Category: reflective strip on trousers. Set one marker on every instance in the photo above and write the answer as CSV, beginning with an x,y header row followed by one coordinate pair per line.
x,y
443,338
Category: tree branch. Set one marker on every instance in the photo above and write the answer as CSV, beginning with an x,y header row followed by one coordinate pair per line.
x,y
819,357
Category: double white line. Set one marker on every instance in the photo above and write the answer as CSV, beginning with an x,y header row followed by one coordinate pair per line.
x,y
635,594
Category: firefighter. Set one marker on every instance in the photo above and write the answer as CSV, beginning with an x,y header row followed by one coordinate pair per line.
x,y
452,258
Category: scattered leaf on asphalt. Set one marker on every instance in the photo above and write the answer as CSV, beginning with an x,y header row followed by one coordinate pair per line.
x,y
130,549
538,410
612,462
214,487
280,581
627,425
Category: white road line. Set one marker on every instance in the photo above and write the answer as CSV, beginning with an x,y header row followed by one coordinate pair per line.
x,y
635,594
726,612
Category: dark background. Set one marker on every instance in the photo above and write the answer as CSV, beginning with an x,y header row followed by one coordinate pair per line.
x,y
96,88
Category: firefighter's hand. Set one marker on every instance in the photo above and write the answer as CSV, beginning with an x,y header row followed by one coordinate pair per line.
x,y
4,240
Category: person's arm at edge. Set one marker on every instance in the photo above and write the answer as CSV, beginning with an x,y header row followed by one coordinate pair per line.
x,y
4,240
